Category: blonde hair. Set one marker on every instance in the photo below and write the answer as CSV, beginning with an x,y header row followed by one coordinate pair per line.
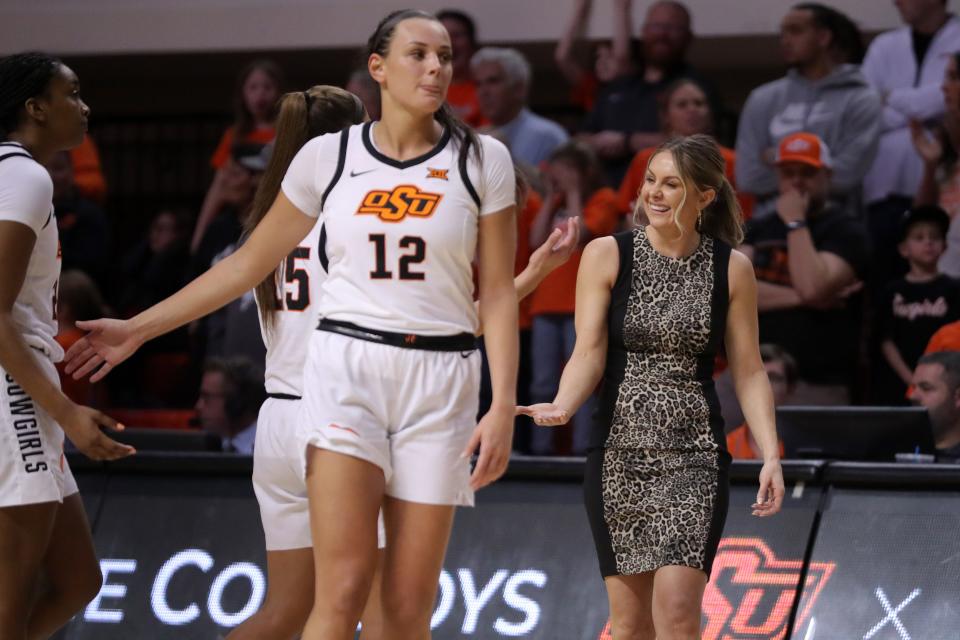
x,y
699,162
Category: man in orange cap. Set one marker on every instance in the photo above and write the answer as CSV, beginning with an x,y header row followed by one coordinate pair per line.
x,y
809,259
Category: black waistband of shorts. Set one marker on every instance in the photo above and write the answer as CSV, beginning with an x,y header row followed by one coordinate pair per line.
x,y
458,342
283,396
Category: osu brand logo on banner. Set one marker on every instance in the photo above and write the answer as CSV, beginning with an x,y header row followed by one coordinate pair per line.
x,y
751,592
404,200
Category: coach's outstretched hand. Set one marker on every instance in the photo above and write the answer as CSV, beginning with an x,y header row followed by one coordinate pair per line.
x,y
545,414
107,344
494,436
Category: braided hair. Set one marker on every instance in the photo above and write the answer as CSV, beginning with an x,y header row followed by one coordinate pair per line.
x,y
22,76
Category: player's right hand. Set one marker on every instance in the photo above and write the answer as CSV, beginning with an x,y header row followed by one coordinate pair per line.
x,y
107,344
545,414
82,425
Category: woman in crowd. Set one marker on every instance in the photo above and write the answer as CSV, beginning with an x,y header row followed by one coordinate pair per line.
x,y
684,111
255,106
940,184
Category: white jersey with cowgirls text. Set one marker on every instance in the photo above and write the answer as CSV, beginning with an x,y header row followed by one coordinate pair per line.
x,y
401,236
300,279
26,196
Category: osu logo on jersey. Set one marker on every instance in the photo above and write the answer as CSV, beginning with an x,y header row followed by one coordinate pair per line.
x,y
403,200
439,174
751,592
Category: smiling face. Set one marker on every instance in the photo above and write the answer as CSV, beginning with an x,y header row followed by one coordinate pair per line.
x,y
666,199
416,70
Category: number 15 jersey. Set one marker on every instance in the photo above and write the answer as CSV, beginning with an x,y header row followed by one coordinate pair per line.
x,y
401,236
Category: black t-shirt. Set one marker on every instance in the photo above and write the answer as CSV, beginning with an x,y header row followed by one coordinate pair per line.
x,y
825,343
911,312
631,104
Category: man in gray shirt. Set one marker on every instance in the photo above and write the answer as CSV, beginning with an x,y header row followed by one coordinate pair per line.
x,y
823,94
502,77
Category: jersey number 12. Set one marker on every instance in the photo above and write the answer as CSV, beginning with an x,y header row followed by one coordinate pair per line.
x,y
417,256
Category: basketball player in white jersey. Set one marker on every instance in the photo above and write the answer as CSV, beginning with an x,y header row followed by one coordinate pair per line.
x,y
48,568
391,380
287,313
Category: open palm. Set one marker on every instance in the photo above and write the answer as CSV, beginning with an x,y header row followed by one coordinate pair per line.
x,y
107,344
545,414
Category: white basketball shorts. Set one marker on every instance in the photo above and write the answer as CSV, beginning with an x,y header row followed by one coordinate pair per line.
x,y
278,479
411,412
33,468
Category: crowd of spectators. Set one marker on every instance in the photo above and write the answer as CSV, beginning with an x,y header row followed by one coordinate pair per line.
x,y
846,169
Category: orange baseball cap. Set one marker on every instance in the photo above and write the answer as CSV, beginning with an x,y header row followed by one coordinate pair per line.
x,y
806,148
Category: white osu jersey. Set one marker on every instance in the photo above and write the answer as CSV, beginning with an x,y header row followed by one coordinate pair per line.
x,y
301,276
401,236
26,196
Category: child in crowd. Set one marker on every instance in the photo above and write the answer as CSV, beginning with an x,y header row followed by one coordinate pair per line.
x,y
913,307
573,183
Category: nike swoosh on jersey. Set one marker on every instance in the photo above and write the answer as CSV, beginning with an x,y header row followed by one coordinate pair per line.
x,y
354,174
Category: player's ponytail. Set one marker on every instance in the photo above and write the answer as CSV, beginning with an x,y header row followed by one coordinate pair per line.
x,y
302,115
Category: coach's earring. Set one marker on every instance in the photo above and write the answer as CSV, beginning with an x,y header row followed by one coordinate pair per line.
x,y
699,220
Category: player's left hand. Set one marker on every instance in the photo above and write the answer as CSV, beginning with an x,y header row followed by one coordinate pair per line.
x,y
558,247
494,436
770,495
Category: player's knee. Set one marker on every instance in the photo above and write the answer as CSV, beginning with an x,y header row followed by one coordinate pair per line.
x,y
281,622
409,607
346,597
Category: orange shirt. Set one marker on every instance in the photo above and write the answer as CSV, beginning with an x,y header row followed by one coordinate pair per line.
x,y
524,222
87,173
584,93
557,292
738,444
633,180
947,338
259,136
462,96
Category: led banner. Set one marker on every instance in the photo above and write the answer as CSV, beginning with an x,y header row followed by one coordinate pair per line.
x,y
893,566
182,557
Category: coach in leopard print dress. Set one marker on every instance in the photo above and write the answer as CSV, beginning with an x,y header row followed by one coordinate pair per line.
x,y
654,305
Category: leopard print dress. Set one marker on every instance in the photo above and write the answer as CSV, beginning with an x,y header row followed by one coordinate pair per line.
x,y
656,482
